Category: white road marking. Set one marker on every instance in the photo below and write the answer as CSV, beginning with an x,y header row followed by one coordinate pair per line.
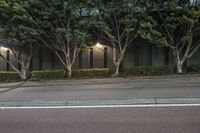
x,y
103,106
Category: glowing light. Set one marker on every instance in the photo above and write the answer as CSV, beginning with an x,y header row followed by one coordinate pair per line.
x,y
99,45
3,48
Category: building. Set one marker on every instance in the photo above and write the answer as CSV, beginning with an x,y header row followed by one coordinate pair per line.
x,y
100,56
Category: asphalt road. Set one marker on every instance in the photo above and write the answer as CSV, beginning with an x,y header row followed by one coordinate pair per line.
x,y
101,120
103,89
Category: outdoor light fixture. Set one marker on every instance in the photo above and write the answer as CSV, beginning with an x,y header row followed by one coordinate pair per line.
x,y
99,45
3,48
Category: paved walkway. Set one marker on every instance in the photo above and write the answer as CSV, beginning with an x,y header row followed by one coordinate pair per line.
x,y
142,90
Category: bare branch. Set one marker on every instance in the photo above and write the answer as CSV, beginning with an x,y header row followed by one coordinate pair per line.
x,y
194,49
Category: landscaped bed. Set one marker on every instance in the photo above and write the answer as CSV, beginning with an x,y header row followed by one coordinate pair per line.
x,y
98,73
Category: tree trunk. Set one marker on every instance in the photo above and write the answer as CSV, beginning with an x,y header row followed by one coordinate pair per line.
x,y
117,61
179,66
24,74
117,69
68,72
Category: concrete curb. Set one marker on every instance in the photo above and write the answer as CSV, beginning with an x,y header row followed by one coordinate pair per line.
x,y
66,103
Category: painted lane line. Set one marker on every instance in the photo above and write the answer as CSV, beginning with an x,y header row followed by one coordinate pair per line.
x,y
103,106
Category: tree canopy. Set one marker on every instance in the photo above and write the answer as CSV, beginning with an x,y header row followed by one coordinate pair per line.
x,y
63,27
18,32
178,23
121,23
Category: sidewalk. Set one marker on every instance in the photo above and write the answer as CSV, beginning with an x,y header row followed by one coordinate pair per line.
x,y
117,91
9,86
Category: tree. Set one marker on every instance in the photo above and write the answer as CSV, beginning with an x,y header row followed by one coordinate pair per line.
x,y
63,28
18,33
179,24
121,23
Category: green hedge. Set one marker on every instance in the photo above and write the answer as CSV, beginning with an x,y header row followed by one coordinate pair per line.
x,y
148,70
9,76
194,68
91,73
48,75
76,74
103,73
97,73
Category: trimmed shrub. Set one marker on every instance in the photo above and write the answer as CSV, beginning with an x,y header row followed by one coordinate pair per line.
x,y
194,68
9,76
103,73
91,73
76,74
48,74
148,70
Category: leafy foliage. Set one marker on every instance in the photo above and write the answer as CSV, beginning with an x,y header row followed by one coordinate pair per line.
x,y
121,23
17,24
18,32
178,23
63,27
148,70
9,76
48,75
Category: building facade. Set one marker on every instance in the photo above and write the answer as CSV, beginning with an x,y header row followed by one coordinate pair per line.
x,y
100,56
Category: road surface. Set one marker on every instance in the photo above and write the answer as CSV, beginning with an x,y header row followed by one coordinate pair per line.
x,y
101,120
